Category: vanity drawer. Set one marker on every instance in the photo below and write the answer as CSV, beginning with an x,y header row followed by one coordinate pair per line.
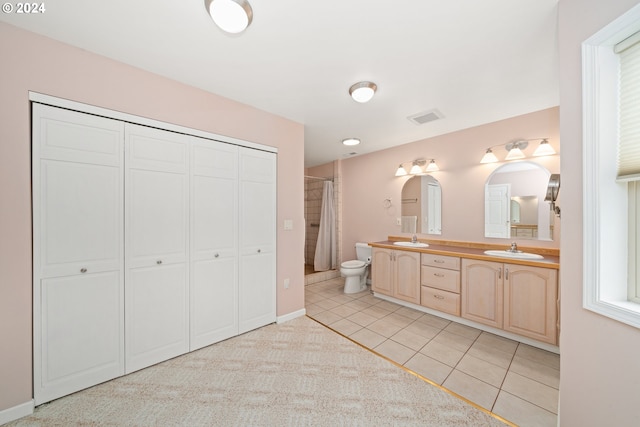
x,y
440,300
447,280
441,261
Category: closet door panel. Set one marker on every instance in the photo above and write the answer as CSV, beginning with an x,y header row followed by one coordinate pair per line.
x,y
214,243
78,251
81,333
157,221
257,291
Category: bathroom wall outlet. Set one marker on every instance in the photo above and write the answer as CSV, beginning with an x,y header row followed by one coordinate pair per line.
x,y
398,221
286,283
288,224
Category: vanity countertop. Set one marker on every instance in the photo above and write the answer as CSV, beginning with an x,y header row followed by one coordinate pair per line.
x,y
476,251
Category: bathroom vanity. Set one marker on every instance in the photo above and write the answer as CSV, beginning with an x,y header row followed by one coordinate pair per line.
x,y
509,296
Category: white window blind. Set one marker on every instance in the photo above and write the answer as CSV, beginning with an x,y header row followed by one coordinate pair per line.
x,y
629,139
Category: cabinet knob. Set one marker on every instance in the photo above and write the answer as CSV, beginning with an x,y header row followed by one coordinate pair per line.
x,y
259,251
159,262
216,255
83,270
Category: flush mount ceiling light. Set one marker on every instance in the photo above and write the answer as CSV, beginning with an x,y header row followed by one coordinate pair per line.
x,y
363,91
351,141
232,16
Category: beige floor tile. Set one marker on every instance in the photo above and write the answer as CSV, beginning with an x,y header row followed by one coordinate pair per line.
x,y
409,339
442,353
434,321
343,310
384,328
490,354
327,317
377,312
311,298
367,338
395,351
523,413
429,368
409,312
346,327
463,330
362,319
472,388
454,341
369,299
358,304
422,329
536,371
500,343
537,355
327,304
398,319
532,391
388,305
482,370
342,298
312,309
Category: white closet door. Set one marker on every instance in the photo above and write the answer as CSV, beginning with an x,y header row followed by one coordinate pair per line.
x,y
257,238
78,296
214,242
156,222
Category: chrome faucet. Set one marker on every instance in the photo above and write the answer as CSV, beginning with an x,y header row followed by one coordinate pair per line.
x,y
514,248
414,239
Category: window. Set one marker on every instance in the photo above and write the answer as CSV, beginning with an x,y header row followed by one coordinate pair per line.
x,y
609,204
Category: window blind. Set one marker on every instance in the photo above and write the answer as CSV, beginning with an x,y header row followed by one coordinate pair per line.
x,y
629,139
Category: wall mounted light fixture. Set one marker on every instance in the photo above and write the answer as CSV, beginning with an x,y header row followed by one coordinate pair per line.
x,y
363,91
417,167
514,150
232,16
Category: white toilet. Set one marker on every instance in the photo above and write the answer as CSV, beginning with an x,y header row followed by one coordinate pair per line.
x,y
356,272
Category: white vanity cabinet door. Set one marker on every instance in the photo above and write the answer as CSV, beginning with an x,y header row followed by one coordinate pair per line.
x,y
257,282
214,242
78,329
156,222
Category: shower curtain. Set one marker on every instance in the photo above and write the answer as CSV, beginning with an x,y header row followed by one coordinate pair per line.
x,y
325,257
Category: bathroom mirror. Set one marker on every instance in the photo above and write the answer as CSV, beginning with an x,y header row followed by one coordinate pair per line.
x,y
421,205
514,202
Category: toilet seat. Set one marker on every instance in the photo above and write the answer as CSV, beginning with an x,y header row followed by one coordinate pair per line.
x,y
353,264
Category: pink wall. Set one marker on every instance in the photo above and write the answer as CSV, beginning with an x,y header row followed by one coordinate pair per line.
x,y
34,63
600,379
369,179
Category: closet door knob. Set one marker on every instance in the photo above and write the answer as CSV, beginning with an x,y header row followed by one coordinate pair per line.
x,y
259,250
159,261
83,270
216,255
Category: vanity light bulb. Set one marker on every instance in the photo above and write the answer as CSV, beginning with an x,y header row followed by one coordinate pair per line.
x,y
415,169
489,157
401,171
544,149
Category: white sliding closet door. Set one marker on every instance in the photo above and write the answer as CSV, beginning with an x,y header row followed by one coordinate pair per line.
x,y
257,238
156,223
77,251
214,242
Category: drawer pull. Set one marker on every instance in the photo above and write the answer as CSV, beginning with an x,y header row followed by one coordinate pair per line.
x,y
83,270
438,261
216,255
159,262
438,296
438,274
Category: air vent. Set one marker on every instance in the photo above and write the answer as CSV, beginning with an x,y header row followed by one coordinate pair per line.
x,y
426,117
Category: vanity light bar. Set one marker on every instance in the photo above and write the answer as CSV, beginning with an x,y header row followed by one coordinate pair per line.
x,y
417,167
515,148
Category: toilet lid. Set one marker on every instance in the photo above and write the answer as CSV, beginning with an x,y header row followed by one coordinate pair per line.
x,y
353,264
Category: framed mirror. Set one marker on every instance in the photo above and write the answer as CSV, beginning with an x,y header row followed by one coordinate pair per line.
x,y
514,204
421,206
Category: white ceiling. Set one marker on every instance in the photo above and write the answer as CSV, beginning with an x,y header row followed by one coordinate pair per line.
x,y
474,61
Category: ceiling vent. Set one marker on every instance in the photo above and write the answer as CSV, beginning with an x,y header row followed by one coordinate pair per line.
x,y
426,117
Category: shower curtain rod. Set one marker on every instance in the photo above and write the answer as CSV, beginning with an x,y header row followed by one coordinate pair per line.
x,y
318,177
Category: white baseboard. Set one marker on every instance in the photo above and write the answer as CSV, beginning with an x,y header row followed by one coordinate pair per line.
x,y
16,412
291,316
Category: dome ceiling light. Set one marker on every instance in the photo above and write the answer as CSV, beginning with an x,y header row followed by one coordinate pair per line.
x,y
363,91
351,141
232,16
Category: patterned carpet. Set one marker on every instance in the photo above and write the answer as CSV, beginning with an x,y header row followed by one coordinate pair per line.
x,y
297,373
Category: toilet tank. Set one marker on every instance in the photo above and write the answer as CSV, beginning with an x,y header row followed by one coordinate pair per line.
x,y
363,251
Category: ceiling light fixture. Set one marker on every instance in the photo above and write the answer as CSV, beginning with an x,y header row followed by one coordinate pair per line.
x,y
232,16
351,141
363,91
515,150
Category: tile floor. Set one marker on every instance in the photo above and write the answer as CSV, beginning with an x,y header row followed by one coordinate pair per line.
x,y
515,381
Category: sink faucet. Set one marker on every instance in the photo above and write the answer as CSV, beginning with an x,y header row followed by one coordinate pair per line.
x,y
414,239
514,248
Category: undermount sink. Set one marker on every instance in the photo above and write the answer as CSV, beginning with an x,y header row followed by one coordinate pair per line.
x,y
411,244
515,255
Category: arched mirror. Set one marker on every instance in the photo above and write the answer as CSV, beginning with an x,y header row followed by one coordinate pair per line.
x,y
514,204
422,205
